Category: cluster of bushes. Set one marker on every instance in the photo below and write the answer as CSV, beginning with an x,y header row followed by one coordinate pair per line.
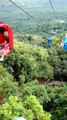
x,y
11,102
52,98
8,86
17,78
58,60
29,61
32,61
30,109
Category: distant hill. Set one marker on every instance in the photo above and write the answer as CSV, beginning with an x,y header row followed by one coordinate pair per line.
x,y
24,3
34,3
40,9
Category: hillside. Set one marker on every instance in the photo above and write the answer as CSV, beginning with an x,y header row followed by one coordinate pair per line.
x,y
41,11
35,3
21,92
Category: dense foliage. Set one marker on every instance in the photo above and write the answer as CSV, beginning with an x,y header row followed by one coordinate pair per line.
x,y
53,99
30,109
31,63
35,61
21,76
8,86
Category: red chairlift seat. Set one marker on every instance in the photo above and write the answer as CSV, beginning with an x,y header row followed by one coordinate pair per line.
x,y
6,33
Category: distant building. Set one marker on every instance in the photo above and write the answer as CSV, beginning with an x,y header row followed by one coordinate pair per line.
x,y
59,21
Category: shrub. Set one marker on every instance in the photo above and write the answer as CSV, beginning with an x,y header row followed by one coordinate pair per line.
x,y
32,62
7,85
57,103
53,98
30,109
